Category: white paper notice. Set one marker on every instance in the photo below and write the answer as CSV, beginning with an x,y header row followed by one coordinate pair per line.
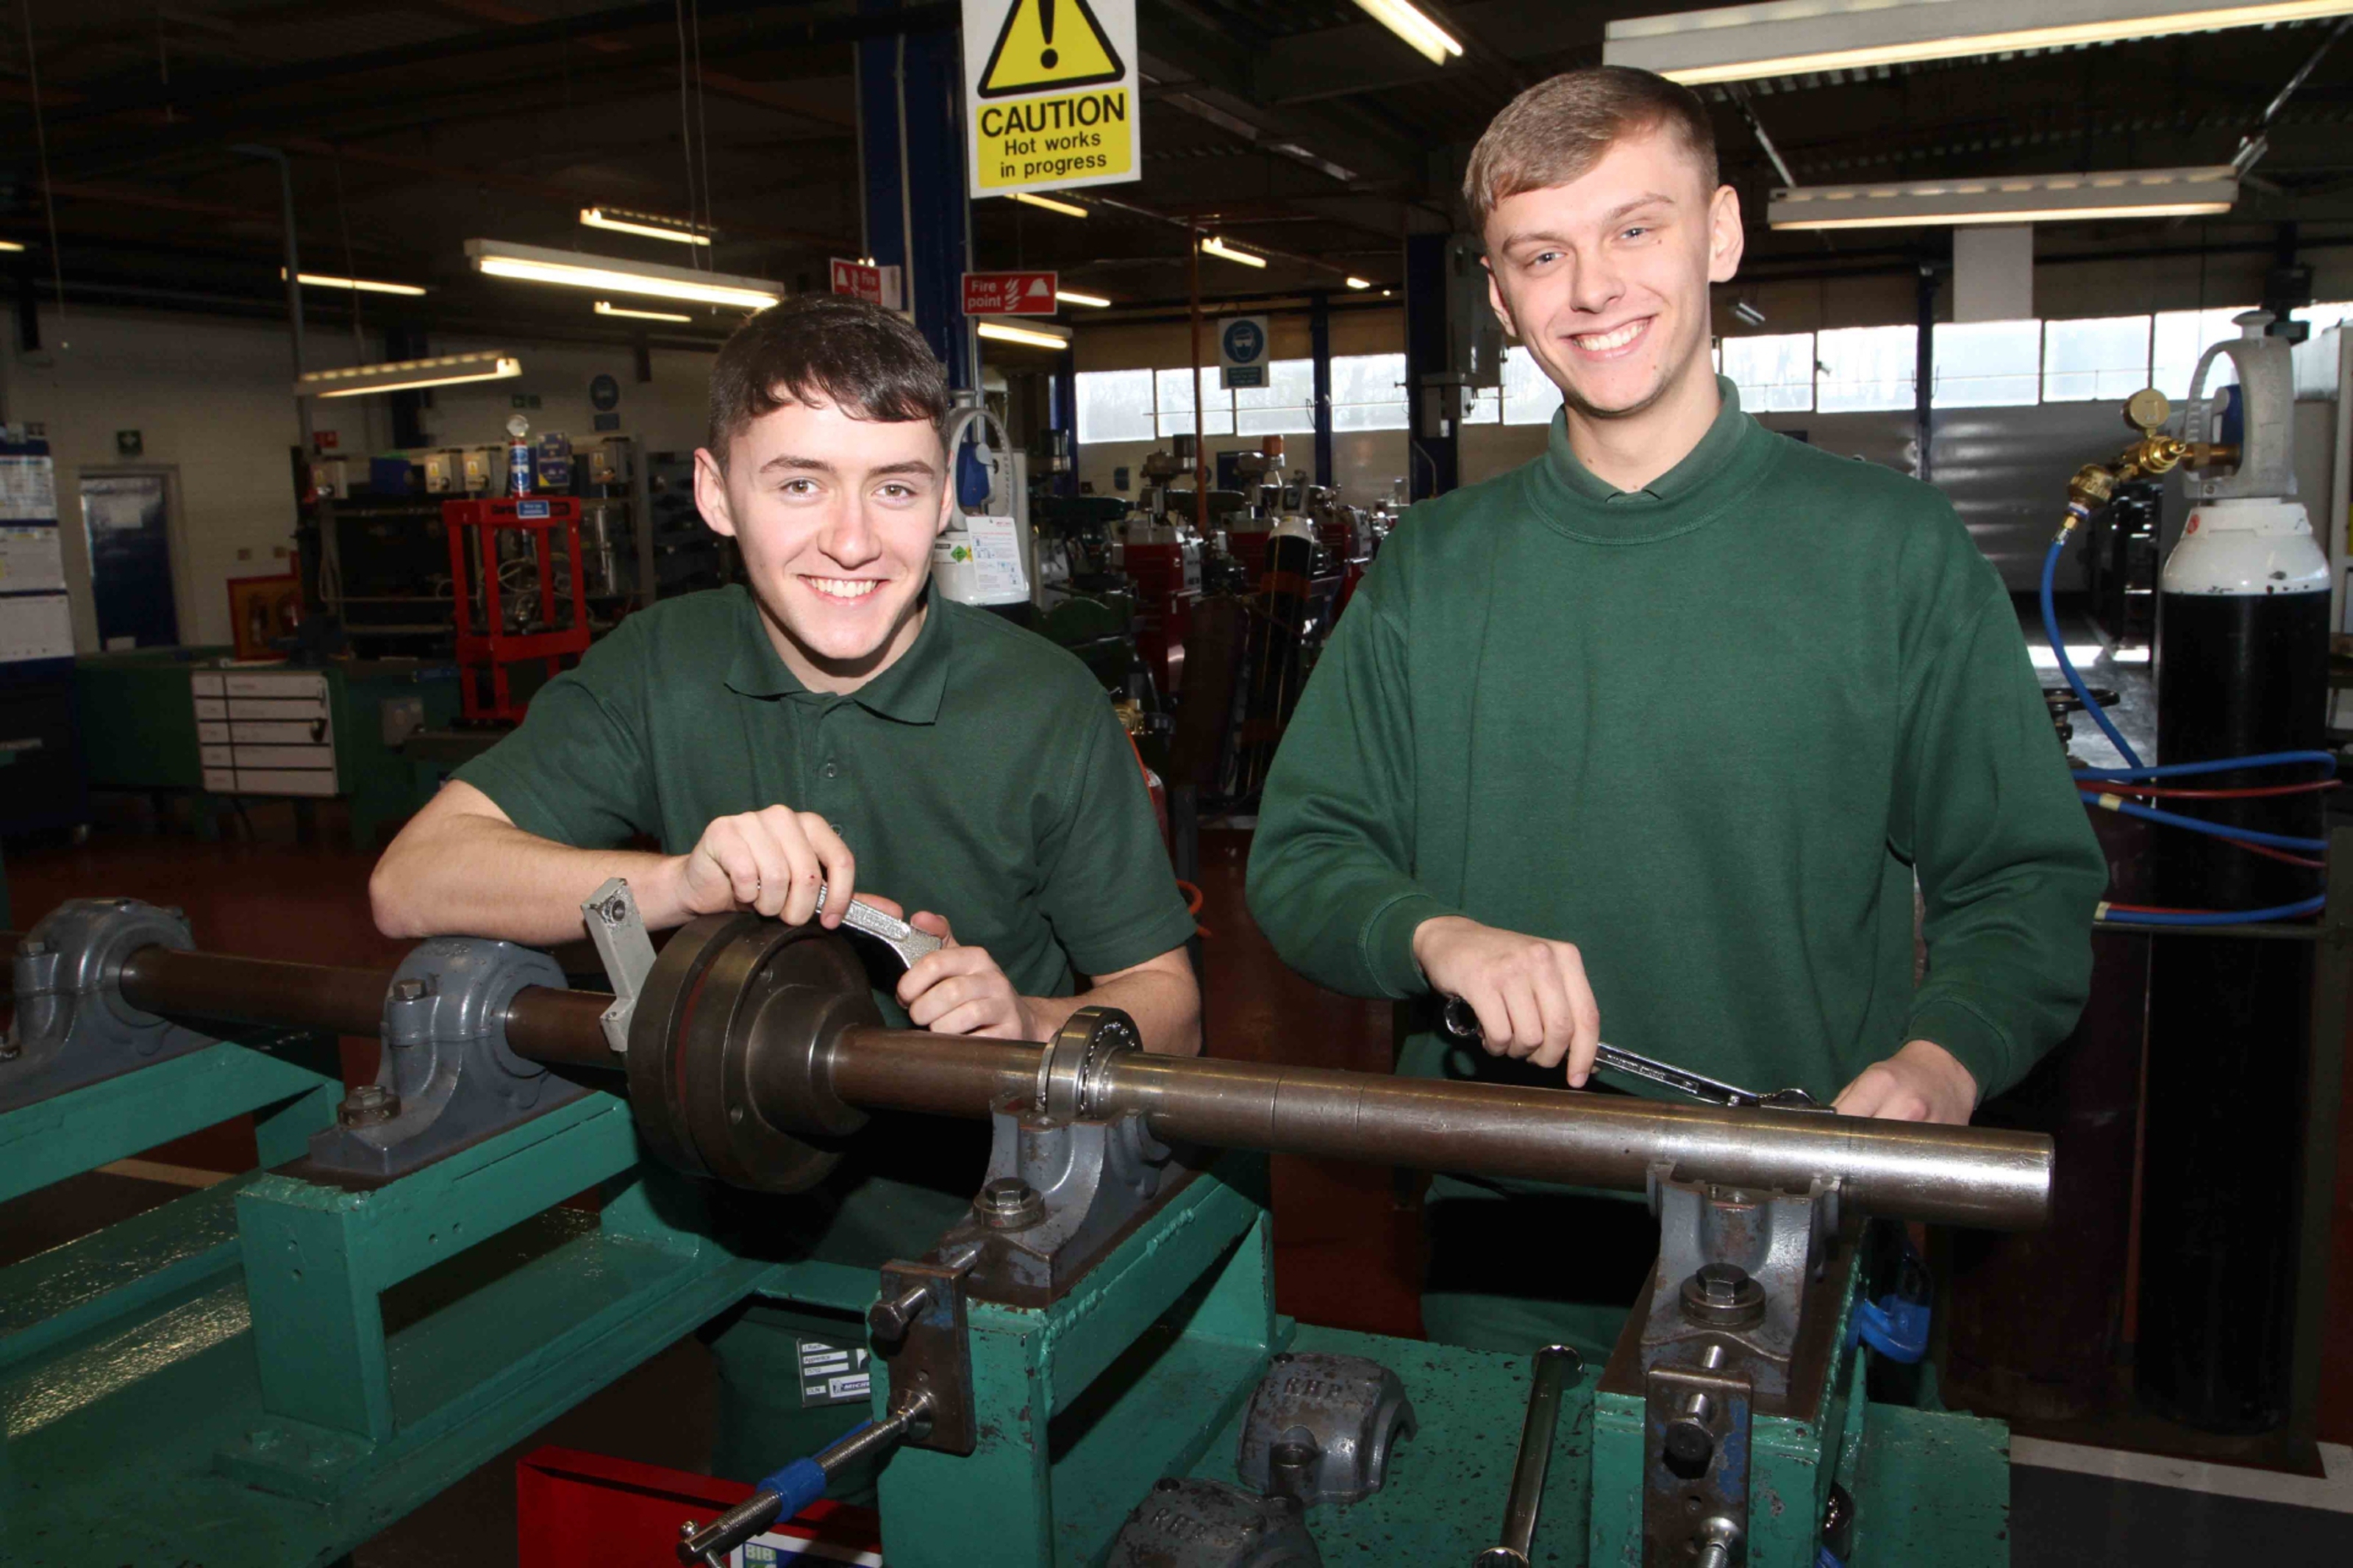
x,y
28,489
996,556
32,560
35,626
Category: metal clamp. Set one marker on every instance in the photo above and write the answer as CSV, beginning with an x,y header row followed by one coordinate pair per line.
x,y
1321,1428
73,1026
619,933
920,1334
447,1075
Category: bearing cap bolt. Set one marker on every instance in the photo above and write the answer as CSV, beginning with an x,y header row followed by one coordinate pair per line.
x,y
1008,1203
891,1318
368,1105
1723,1296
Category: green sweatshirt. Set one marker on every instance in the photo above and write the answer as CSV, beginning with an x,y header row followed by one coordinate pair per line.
x,y
1708,732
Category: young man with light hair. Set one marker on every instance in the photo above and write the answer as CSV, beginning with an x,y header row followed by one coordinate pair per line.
x,y
832,719
1648,739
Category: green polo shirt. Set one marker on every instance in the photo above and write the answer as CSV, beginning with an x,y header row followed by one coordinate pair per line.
x,y
983,776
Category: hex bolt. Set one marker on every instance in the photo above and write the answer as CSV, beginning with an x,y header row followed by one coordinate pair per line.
x,y
1723,1296
1008,1203
891,1318
368,1105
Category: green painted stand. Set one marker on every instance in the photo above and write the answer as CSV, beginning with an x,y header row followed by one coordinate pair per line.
x,y
1082,1406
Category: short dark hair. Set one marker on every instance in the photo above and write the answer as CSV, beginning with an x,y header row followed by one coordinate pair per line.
x,y
1557,130
870,363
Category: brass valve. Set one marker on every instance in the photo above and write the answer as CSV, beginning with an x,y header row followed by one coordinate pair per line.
x,y
2155,453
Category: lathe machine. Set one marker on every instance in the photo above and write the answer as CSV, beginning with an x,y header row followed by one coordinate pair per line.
x,y
1086,1369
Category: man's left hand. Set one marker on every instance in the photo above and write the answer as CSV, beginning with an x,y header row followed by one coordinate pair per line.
x,y
959,990
1921,1082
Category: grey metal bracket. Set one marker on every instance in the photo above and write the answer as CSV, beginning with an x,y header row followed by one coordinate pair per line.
x,y
447,1076
920,1334
1321,1428
1695,1467
1758,1250
73,1026
1210,1524
618,933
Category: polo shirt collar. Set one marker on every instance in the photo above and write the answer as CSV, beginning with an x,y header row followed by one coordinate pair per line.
x,y
1699,465
909,691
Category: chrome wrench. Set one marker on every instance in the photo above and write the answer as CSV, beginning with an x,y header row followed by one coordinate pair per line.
x,y
892,933
1463,1024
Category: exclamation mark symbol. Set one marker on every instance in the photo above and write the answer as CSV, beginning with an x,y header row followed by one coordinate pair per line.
x,y
1046,26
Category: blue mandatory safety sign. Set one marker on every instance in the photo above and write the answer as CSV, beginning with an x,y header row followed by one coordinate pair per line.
x,y
1242,341
531,509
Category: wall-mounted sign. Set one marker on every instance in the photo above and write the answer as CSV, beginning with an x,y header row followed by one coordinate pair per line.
x,y
604,395
1243,350
1051,94
1010,293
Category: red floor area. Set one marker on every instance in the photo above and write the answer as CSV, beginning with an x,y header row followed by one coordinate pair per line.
x,y
1345,1247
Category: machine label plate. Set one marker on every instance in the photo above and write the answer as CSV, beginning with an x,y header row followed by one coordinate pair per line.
x,y
833,1375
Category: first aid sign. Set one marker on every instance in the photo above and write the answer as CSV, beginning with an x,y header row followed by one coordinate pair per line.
x,y
1051,94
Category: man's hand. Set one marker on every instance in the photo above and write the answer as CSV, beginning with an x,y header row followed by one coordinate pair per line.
x,y
959,990
1530,994
771,861
1921,1082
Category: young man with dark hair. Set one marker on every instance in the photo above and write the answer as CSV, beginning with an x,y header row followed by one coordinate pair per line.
x,y
834,719
1652,736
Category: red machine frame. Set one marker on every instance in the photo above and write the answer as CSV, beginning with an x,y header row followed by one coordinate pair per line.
x,y
540,516
573,1508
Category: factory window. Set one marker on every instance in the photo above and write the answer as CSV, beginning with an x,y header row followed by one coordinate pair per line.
x,y
2180,337
1175,388
1115,405
1863,368
1285,405
2100,358
1529,395
1989,364
1775,373
2315,359
1368,392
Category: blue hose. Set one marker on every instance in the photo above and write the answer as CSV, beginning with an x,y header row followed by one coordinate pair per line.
x,y
2326,760
2220,917
2199,825
2067,666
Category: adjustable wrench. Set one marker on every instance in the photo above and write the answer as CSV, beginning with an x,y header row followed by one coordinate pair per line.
x,y
892,933
1463,1024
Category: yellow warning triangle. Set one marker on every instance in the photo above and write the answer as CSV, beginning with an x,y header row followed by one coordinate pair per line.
x,y
1048,44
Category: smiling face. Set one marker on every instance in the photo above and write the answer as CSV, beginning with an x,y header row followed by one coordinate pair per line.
x,y
835,517
1605,279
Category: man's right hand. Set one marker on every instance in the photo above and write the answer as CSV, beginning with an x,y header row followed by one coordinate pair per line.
x,y
772,861
1530,994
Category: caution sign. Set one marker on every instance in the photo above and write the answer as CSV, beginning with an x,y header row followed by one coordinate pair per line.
x,y
1051,94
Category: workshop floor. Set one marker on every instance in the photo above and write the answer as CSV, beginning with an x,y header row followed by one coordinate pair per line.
x,y
1347,1247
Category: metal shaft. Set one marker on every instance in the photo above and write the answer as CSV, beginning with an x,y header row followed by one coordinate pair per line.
x,y
1960,1175
1556,1365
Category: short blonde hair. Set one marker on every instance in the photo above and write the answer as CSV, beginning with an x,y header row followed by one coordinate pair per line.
x,y
1557,130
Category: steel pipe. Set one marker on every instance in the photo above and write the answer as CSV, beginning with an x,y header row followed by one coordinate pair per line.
x,y
1981,1176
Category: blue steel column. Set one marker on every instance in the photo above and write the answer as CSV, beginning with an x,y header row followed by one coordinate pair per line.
x,y
1062,414
1433,411
914,195
1319,349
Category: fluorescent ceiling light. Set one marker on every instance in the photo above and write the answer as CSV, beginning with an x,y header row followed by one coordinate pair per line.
x,y
622,221
607,308
1213,245
1036,335
1739,43
1408,22
365,285
1067,209
2008,198
11,244
611,274
403,376
1072,297
1360,282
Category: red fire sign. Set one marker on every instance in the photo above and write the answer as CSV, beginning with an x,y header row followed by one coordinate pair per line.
x,y
858,280
1010,294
